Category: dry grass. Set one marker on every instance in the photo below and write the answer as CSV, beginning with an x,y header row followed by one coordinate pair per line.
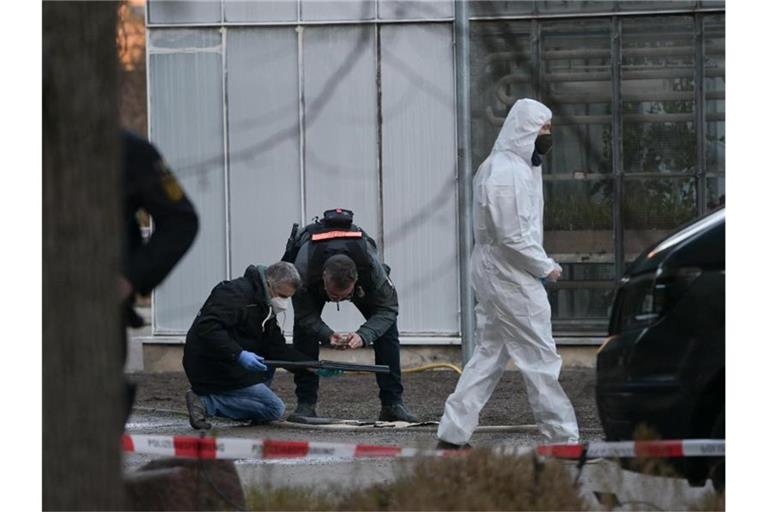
x,y
481,480
712,501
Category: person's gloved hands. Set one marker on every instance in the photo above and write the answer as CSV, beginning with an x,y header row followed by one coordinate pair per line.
x,y
554,275
251,361
327,372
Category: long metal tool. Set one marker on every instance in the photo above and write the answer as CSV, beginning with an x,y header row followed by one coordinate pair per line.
x,y
330,365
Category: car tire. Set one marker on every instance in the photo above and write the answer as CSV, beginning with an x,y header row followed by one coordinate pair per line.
x,y
717,468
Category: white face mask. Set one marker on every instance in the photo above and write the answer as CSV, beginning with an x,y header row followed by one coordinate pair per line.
x,y
279,304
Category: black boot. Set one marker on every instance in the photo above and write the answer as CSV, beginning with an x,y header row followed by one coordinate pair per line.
x,y
303,410
196,411
396,412
445,445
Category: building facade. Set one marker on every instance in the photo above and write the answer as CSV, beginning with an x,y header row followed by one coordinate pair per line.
x,y
271,112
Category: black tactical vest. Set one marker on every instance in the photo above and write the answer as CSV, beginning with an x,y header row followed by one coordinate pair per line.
x,y
351,242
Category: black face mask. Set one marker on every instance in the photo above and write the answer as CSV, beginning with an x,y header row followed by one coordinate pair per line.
x,y
543,143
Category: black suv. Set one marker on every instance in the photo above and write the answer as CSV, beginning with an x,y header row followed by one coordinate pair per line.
x,y
663,363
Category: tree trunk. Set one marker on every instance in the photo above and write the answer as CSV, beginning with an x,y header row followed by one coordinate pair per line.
x,y
83,395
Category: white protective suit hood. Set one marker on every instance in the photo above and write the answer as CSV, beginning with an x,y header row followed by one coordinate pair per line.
x,y
521,127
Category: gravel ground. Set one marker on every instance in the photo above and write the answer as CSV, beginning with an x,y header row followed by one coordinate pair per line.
x,y
355,396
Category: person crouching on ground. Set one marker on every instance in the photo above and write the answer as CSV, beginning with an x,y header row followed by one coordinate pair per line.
x,y
228,341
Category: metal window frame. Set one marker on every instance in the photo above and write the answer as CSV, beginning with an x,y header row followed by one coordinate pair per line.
x,y
617,173
707,173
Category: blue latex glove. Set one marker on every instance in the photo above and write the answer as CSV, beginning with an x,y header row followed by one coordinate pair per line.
x,y
251,361
327,372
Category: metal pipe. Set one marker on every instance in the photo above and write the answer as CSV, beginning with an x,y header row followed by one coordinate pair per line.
x,y
227,177
616,150
302,125
701,120
464,164
379,136
148,83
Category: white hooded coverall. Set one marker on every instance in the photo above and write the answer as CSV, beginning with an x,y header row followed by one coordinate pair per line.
x,y
513,313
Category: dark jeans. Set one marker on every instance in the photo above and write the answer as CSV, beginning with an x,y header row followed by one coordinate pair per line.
x,y
386,350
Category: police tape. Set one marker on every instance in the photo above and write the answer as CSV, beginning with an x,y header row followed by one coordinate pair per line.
x,y
633,449
204,447
209,447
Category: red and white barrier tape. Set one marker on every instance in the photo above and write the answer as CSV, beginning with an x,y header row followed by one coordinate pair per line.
x,y
238,448
629,449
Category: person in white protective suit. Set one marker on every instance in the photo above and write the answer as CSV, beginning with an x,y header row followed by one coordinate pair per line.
x,y
508,269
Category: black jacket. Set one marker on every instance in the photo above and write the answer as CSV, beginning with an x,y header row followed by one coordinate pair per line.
x,y
148,184
230,321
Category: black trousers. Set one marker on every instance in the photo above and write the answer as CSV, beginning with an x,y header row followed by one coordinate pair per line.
x,y
386,350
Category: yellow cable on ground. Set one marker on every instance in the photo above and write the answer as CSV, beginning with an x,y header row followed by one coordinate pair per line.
x,y
423,368
433,366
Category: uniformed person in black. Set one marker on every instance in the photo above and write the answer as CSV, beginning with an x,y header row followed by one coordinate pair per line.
x,y
149,185
340,262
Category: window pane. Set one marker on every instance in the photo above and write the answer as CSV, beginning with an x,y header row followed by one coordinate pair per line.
x,y
501,72
576,85
571,206
415,9
263,10
646,5
582,297
574,6
331,10
186,122
418,159
340,105
715,193
658,95
714,89
654,207
263,141
164,11
578,235
500,7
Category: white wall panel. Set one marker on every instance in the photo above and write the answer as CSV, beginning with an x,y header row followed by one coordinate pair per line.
x,y
186,125
265,175
419,174
337,10
178,11
265,178
263,10
415,9
341,116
